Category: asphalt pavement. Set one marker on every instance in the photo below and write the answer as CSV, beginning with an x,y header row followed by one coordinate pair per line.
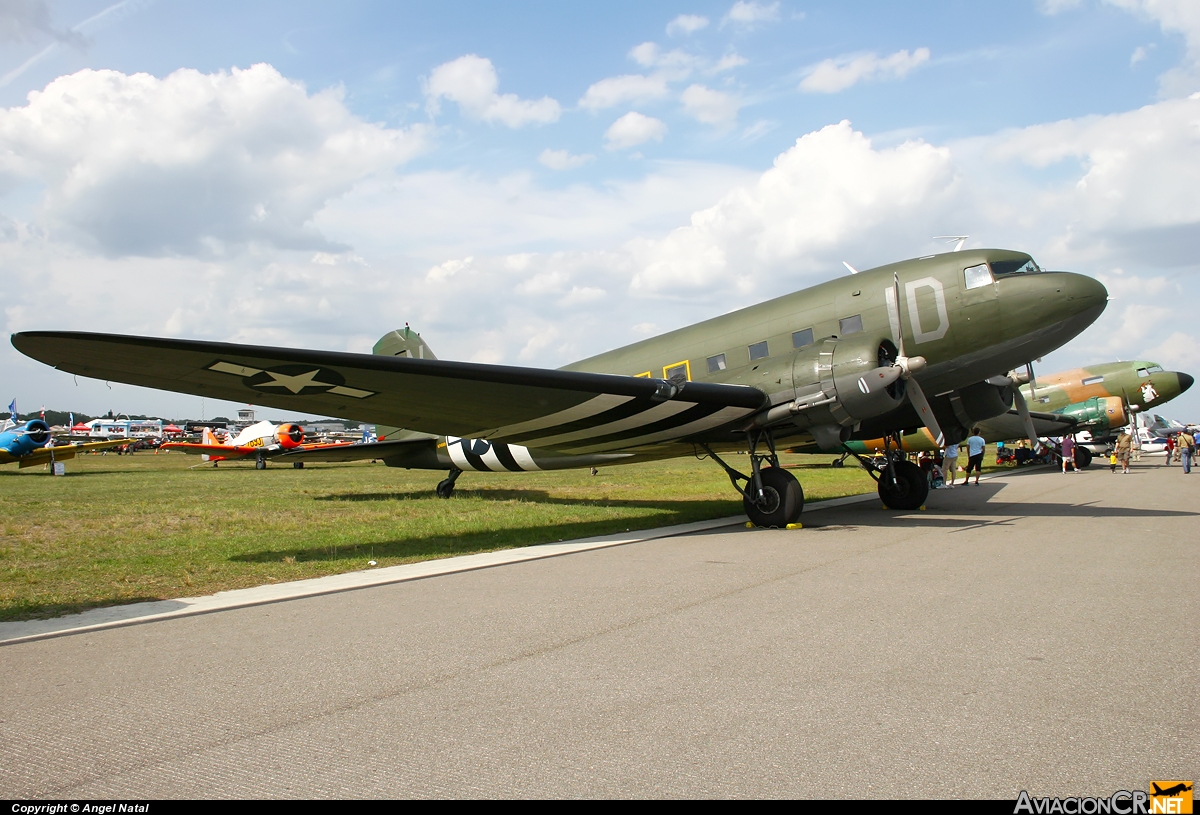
x,y
1037,632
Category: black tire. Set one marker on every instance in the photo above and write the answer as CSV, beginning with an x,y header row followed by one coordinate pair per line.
x,y
260,464
837,462
909,490
1083,458
783,499
297,465
445,488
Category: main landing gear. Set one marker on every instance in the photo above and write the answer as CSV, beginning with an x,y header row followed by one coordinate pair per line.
x,y
771,496
901,484
445,488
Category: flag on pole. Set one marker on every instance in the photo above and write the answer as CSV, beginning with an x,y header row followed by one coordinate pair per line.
x,y
12,409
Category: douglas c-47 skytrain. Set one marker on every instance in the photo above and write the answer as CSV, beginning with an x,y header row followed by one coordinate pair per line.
x,y
925,342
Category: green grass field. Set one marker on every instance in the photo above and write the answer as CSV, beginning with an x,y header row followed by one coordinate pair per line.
x,y
120,529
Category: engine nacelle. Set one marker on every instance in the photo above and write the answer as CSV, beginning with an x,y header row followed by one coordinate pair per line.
x,y
1098,414
24,441
289,435
853,377
983,401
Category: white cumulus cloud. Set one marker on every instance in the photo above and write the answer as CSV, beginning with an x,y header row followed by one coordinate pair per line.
x,y
563,160
748,13
471,82
833,75
633,129
709,106
620,90
686,24
191,163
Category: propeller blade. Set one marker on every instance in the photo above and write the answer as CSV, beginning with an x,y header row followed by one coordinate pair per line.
x,y
917,397
1032,380
894,314
1026,419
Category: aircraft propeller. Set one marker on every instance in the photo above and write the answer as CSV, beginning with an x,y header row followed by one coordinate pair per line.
x,y
1017,380
909,365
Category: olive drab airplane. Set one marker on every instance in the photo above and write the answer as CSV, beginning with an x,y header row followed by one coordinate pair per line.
x,y
259,441
919,342
1099,399
29,444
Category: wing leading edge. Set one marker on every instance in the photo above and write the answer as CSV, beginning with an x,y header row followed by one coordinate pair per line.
x,y
569,410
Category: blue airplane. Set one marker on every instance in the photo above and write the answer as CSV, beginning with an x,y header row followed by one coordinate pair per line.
x,y
29,445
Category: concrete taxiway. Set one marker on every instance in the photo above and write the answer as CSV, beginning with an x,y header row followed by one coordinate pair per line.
x,y
1037,632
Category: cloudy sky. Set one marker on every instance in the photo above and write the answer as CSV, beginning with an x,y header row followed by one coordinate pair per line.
x,y
531,183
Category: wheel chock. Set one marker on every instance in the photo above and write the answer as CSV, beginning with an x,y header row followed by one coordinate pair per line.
x,y
922,507
795,526
749,524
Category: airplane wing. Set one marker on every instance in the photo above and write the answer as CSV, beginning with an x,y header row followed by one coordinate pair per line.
x,y
584,412
43,455
1009,425
364,451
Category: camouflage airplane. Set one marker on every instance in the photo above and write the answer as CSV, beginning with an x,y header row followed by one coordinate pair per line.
x,y
1098,398
824,365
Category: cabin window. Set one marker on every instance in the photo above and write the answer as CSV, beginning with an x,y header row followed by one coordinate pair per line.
x,y
1143,372
802,338
976,277
716,363
1093,380
758,350
678,371
850,325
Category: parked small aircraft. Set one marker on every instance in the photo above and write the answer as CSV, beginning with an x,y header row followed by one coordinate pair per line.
x,y
823,365
1099,399
260,441
29,445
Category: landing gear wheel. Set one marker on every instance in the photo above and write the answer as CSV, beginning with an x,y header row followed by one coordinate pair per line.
x,y
297,465
909,490
782,499
260,464
1083,458
446,488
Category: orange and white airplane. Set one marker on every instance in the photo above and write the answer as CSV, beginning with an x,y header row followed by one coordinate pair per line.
x,y
259,441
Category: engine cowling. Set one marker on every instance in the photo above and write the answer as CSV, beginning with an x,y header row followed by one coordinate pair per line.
x,y
855,376
289,435
1098,414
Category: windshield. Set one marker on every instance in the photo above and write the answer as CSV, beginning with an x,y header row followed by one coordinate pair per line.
x,y
1002,268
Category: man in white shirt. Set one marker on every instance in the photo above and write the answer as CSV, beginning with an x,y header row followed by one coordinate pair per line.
x,y
975,446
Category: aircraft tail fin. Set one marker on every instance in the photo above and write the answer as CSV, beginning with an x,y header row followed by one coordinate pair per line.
x,y
403,342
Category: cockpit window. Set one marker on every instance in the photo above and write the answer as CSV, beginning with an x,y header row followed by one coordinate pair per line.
x,y
1003,268
977,276
1155,369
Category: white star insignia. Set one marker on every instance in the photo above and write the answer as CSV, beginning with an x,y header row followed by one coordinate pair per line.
x,y
294,383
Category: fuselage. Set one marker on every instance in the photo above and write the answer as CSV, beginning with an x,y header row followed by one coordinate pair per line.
x,y
972,315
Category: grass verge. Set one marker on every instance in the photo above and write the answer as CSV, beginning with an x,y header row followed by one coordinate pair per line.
x,y
122,529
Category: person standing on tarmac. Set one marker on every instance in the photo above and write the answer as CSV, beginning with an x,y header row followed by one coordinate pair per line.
x,y
975,446
1068,453
1124,450
1187,449
950,464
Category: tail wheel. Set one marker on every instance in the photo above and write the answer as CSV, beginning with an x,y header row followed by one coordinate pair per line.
x,y
782,499
908,490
